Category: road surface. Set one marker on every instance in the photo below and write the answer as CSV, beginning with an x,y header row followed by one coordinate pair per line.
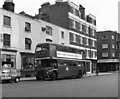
x,y
95,86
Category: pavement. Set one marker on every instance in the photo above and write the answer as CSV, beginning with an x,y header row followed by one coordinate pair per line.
x,y
87,75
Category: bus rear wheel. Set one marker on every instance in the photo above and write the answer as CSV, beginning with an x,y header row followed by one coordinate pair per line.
x,y
38,78
79,74
53,76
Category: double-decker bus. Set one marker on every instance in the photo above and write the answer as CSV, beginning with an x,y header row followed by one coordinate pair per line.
x,y
58,61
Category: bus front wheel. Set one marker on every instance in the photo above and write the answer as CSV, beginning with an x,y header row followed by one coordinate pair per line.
x,y
38,78
53,76
79,74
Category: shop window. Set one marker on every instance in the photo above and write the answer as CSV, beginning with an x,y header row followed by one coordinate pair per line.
x,y
28,43
7,21
10,60
6,40
27,27
27,63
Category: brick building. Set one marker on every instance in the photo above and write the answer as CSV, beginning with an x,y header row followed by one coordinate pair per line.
x,y
108,50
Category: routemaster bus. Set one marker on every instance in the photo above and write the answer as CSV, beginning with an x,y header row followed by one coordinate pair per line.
x,y
58,61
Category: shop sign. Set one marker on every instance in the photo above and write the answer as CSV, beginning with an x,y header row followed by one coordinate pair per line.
x,y
107,61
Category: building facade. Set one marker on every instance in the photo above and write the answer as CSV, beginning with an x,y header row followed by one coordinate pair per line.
x,y
108,50
82,28
20,33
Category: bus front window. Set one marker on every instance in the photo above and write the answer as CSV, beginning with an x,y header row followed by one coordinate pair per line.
x,y
45,63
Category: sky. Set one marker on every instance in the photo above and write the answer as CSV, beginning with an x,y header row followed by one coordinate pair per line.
x,y
105,11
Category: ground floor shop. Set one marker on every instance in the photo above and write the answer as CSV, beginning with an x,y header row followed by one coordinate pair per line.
x,y
8,57
27,64
108,65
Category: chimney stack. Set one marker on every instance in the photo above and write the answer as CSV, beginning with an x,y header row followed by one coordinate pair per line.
x,y
82,10
9,5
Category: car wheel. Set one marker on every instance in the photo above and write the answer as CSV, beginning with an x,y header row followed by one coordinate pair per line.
x,y
53,76
17,80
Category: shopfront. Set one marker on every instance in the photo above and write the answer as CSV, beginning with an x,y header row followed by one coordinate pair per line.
x,y
107,65
27,64
9,58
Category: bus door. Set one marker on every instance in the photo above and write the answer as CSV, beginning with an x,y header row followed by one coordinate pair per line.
x,y
62,68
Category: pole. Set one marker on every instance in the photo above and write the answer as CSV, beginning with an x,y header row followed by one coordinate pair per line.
x,y
0,59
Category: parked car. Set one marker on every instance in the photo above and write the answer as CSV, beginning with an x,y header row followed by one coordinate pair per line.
x,y
10,74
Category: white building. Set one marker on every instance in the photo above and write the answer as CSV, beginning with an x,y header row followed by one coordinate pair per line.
x,y
19,34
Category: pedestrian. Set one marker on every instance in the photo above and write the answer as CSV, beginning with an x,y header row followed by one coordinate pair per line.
x,y
97,70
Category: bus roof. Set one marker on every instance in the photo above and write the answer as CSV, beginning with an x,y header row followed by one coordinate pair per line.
x,y
51,43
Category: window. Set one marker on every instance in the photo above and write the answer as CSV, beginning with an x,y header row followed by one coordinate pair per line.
x,y
27,27
93,44
87,30
81,40
71,37
62,34
71,9
6,39
9,60
90,31
71,23
113,45
113,37
27,62
76,12
104,45
77,25
104,37
84,28
48,30
105,54
84,40
7,21
28,43
78,39
113,54
87,42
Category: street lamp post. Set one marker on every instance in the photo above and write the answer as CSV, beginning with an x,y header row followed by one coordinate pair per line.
x,y
0,60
